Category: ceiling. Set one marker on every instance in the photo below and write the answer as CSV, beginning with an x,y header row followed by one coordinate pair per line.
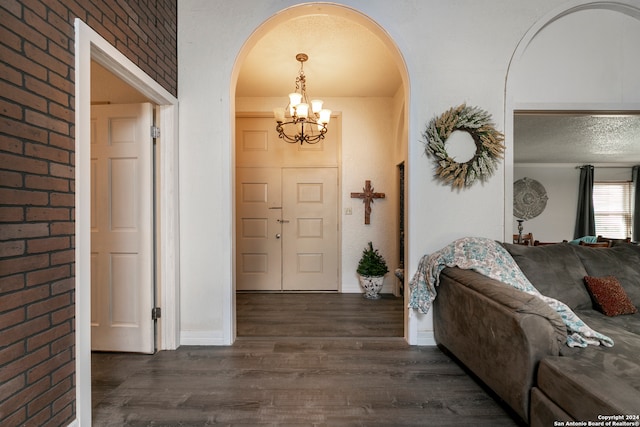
x,y
345,60
577,138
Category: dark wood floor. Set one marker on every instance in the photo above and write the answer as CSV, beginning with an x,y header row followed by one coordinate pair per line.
x,y
291,380
318,315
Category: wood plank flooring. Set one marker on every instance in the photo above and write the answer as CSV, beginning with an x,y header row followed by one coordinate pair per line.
x,y
318,315
291,380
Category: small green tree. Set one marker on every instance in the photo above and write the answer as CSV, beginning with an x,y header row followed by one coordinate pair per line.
x,y
372,263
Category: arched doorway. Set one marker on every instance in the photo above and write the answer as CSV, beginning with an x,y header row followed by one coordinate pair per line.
x,y
373,129
553,70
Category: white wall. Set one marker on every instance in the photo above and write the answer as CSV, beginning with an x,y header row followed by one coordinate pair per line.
x,y
454,52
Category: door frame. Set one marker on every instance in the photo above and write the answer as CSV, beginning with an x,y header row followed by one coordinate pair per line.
x,y
89,45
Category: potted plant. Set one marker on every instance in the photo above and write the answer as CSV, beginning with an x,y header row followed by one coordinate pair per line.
x,y
371,270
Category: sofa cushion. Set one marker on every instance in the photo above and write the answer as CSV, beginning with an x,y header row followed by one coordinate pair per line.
x,y
609,296
622,261
584,391
555,270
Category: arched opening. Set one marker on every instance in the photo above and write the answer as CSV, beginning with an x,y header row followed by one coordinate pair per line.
x,y
576,65
371,127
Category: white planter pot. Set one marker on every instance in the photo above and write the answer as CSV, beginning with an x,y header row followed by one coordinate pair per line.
x,y
372,286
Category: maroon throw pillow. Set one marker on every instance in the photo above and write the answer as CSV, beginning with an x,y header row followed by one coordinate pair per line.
x,y
609,296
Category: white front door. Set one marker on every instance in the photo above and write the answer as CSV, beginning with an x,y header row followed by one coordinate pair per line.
x,y
122,289
258,229
310,229
287,229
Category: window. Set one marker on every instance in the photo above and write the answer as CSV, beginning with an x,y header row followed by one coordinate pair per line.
x,y
612,206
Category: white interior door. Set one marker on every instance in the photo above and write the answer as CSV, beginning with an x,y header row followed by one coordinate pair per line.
x,y
310,229
258,229
122,289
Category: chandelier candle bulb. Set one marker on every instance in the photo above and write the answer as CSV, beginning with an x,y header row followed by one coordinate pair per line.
x,y
325,116
316,105
303,110
278,113
295,99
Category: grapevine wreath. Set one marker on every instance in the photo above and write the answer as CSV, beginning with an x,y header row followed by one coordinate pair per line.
x,y
489,145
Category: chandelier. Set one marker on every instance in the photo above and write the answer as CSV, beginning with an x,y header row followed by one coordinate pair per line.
x,y
306,121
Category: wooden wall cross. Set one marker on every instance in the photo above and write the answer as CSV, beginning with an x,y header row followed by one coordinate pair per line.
x,y
367,196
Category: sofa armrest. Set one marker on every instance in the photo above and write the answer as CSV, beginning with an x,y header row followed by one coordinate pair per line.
x,y
496,331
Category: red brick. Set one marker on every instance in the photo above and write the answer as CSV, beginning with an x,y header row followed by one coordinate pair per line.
x,y
11,109
63,257
47,91
64,285
12,6
46,367
48,214
44,399
21,231
45,152
23,197
65,400
22,130
20,265
66,114
16,419
12,283
60,199
19,163
13,145
63,171
62,228
25,31
25,395
9,301
62,141
8,214
40,182
12,248
65,371
13,317
22,363
47,306
8,388
47,122
48,275
23,330
65,343
11,75
21,63
49,244
10,179
48,61
11,353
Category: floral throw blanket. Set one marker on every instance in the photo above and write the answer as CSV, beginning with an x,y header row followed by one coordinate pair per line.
x,y
488,258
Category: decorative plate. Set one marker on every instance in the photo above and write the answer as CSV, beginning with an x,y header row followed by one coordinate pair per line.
x,y
529,198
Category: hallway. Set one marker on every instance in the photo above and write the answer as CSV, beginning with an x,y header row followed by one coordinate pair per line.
x,y
294,380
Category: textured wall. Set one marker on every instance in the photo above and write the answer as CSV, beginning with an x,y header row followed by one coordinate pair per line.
x,y
37,343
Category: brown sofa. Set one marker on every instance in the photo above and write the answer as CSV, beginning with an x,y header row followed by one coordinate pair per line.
x,y
516,344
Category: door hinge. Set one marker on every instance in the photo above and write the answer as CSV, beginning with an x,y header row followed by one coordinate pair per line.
x,y
156,313
155,132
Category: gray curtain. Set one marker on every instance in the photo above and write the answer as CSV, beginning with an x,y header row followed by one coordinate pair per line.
x,y
635,209
585,218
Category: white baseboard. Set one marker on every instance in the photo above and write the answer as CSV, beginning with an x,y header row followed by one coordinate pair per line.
x,y
426,338
202,338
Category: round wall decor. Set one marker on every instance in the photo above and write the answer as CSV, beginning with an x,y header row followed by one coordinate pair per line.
x,y
529,198
489,145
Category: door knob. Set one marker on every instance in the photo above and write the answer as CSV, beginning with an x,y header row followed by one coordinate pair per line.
x,y
283,221
277,235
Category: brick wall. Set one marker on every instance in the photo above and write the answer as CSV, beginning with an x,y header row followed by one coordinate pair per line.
x,y
37,351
